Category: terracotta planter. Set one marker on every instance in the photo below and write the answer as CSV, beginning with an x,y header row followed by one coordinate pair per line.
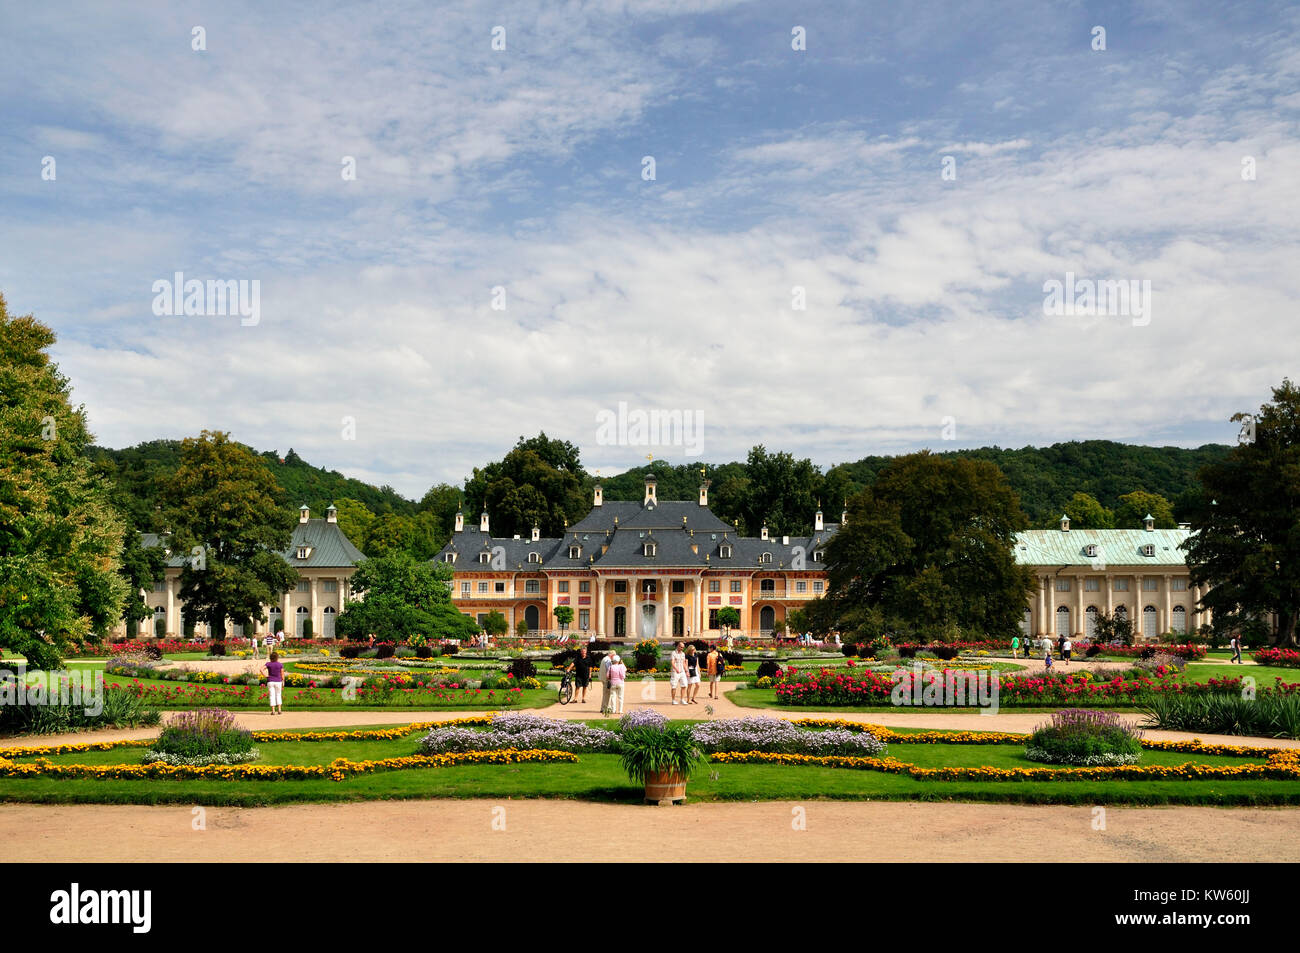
x,y
664,788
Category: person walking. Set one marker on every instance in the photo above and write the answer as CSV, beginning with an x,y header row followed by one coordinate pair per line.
x,y
711,666
253,642
692,675
1047,654
581,668
1066,647
1015,646
274,669
617,676
677,677
605,664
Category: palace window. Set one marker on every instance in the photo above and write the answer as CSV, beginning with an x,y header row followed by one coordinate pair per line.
x,y
1121,585
534,557
818,585
575,552
532,585
484,557
767,585
620,585
679,585
499,587
304,585
818,554
450,557
736,585
715,585
482,587
1180,585
1150,585
1090,550
562,586
1062,585
765,558
464,589
1148,550
648,549
584,619
724,551
649,587
801,586
713,619
584,585
1092,585
303,551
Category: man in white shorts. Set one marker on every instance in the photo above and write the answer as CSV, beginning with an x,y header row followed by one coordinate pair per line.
x,y
677,677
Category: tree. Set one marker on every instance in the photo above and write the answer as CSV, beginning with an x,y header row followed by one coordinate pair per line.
x,y
60,538
928,547
521,628
539,483
1112,627
494,624
564,615
230,524
1247,517
389,534
728,618
1134,507
1086,513
403,597
355,520
140,568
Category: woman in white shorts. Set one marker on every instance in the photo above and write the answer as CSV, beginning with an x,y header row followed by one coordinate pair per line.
x,y
692,675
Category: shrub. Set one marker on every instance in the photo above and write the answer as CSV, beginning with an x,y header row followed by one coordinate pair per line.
x,y
850,649
384,650
764,682
522,668
1092,650
423,651
521,628
1270,714
907,651
203,733
279,626
733,659
306,629
768,669
670,750
1278,656
450,648
944,652
351,650
216,648
1084,737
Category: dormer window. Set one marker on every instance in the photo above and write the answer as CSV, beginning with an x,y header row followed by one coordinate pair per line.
x,y
1148,550
1090,550
648,549
765,558
818,554
304,552
450,557
724,551
534,557
575,552
484,557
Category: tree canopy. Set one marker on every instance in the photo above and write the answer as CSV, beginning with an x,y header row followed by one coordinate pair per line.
x,y
60,537
401,597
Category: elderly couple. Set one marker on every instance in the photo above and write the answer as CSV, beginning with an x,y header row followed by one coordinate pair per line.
x,y
613,676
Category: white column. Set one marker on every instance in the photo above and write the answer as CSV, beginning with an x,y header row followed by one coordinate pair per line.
x,y
696,609
600,607
171,605
289,622
634,610
315,615
1167,622
1079,627
665,628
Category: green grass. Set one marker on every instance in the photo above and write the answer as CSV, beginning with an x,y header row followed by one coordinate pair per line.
x,y
600,778
766,698
1264,675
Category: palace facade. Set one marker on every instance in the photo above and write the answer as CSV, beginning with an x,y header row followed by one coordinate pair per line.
x,y
638,570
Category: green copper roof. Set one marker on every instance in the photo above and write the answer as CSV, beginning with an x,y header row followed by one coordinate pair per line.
x,y
1115,547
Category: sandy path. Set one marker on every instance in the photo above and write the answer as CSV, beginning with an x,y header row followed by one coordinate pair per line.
x,y
440,830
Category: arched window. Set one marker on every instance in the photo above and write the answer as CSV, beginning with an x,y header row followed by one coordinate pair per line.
x,y
450,557
534,557
575,552
1063,620
1149,617
1091,619
484,557
1179,621
724,551
765,558
649,549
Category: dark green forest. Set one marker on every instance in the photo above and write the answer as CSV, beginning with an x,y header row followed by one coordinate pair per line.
x,y
541,480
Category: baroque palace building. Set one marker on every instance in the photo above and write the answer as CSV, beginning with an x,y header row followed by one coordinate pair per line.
x,y
664,570
638,570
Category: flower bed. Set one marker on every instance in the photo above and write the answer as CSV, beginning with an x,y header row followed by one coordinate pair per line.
x,y
1188,651
777,735
521,730
1086,738
1287,657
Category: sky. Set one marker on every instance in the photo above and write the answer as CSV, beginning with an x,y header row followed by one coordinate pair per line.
x,y
476,222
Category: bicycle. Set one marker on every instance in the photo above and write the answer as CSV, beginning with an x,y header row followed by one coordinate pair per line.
x,y
566,688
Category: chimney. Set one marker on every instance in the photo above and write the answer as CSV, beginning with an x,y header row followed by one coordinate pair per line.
x,y
785,540
650,485
1149,523
304,513
483,522
460,522
600,496
763,532
332,514
537,533
819,523
704,493
1065,523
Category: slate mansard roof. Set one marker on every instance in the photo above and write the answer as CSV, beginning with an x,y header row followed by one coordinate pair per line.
x,y
1114,547
686,535
328,547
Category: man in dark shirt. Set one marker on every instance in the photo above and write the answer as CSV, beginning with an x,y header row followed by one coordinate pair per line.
x,y
582,671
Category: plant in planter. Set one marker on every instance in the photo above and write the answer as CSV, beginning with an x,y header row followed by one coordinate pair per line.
x,y
660,758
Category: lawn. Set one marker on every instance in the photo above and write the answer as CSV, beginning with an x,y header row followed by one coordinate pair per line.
x,y
599,777
766,698
1264,675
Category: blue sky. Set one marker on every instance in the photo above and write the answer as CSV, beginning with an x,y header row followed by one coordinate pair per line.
x,y
775,169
